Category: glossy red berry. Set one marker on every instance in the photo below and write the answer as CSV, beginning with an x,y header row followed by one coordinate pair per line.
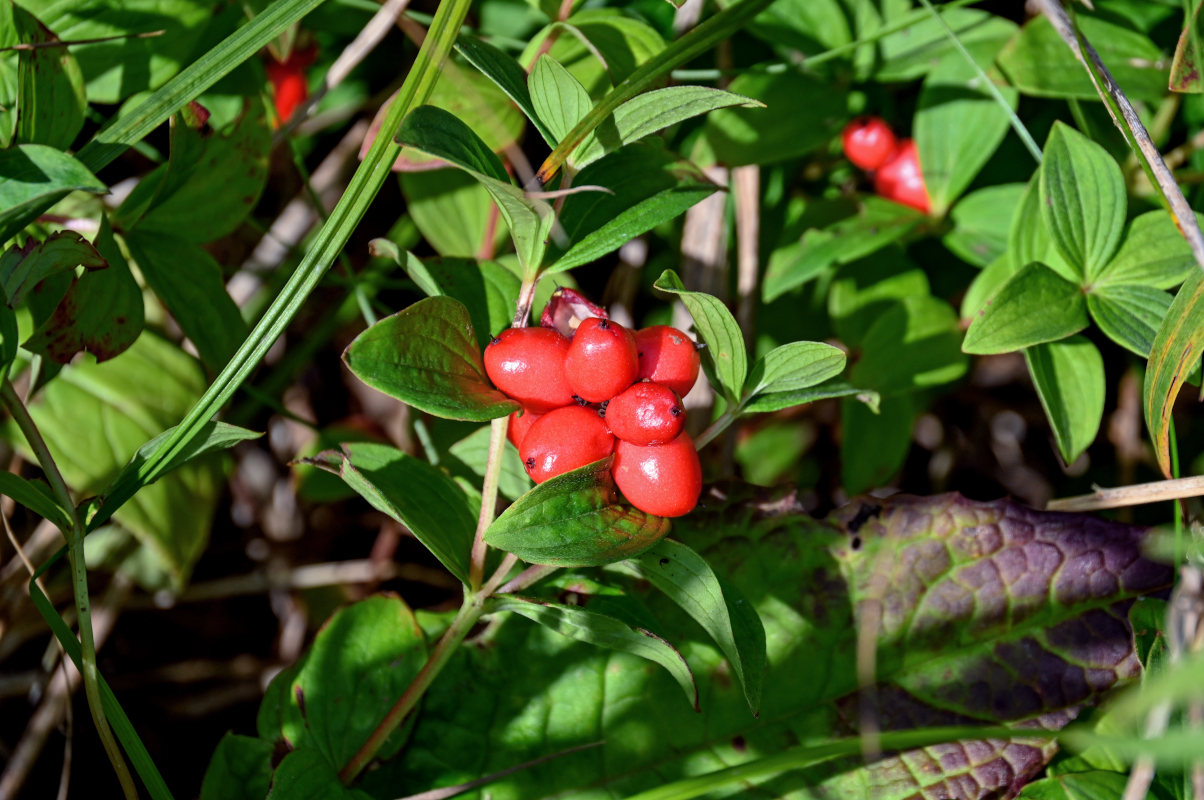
x,y
563,440
646,413
289,86
602,360
902,180
520,423
668,357
664,480
527,365
869,142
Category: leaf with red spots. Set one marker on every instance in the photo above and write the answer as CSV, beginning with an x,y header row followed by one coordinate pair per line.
x,y
101,313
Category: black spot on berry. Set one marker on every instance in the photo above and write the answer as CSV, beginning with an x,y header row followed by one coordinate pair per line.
x,y
495,340
530,462
604,324
675,411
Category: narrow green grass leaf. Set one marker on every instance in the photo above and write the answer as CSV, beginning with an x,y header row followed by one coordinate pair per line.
x,y
718,328
36,500
1035,305
427,356
1069,378
1173,356
605,631
575,520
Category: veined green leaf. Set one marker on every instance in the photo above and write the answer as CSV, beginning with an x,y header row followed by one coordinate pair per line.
x,y
1152,253
1069,378
794,366
718,328
605,631
559,99
50,107
981,223
34,177
1035,305
1129,314
23,268
509,76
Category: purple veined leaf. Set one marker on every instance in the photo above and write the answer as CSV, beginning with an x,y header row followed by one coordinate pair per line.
x,y
22,268
991,614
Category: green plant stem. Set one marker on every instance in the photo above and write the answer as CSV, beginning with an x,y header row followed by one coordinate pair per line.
x,y
79,583
471,611
493,469
717,427
526,296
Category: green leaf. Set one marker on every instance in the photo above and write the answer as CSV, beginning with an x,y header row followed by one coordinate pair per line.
x,y
717,328
876,223
794,366
604,631
487,289
575,520
863,290
8,339
1069,378
559,99
189,282
507,73
776,401
738,136
427,356
1083,199
647,186
1035,305
601,47
1039,63
361,661
453,211
94,419
23,268
912,345
240,769
1028,240
34,176
909,53
179,197
37,500
647,113
985,285
414,493
438,133
50,107
1173,356
1093,785
304,774
726,615
9,84
1129,315
981,222
1153,253
101,314
809,26
958,126
1185,72
473,450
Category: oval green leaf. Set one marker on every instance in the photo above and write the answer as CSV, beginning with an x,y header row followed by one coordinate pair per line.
x,y
1129,315
1069,378
795,366
427,356
33,177
1036,305
575,520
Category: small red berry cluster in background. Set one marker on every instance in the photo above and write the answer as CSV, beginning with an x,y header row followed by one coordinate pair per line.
x,y
895,165
289,86
590,387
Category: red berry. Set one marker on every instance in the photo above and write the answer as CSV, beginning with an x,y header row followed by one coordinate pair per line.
x,y
563,440
869,142
664,480
668,357
646,413
602,360
520,423
289,87
902,180
527,364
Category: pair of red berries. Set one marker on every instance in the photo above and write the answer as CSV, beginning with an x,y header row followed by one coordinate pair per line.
x,y
604,390
870,144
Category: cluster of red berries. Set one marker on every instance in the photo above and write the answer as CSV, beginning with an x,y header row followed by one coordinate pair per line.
x,y
895,165
598,388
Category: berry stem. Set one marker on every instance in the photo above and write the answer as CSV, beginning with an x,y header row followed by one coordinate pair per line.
x,y
493,469
715,428
526,296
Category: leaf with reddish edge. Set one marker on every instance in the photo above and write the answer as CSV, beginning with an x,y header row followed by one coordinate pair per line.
x,y
23,268
427,356
990,612
575,520
1174,355
566,309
